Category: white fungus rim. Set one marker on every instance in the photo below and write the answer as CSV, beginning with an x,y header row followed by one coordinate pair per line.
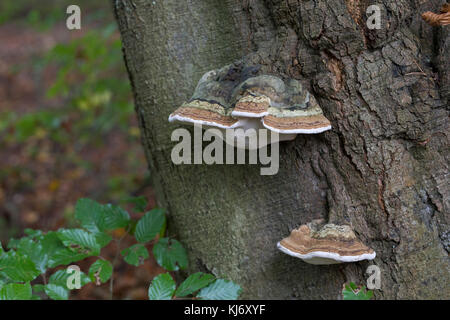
x,y
326,255
316,130
249,114
176,117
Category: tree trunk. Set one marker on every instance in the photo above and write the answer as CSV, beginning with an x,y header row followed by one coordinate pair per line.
x,y
382,168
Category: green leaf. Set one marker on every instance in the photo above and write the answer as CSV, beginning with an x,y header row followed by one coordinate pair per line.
x,y
59,254
60,277
38,288
33,250
112,217
1,249
194,283
13,243
18,267
96,217
16,291
3,280
100,271
80,241
103,239
150,225
170,254
56,292
162,287
88,212
140,203
135,255
51,243
33,233
65,256
352,292
220,290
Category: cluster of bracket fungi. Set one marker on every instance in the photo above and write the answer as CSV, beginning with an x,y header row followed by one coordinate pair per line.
x,y
239,96
242,96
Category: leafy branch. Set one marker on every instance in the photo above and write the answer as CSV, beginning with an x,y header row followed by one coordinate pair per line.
x,y
34,254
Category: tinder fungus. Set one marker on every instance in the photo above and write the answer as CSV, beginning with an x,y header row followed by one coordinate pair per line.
x,y
238,96
327,244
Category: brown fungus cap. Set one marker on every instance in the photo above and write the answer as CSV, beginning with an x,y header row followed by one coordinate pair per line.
x,y
307,118
204,113
329,244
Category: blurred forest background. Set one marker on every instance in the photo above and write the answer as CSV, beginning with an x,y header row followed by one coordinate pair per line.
x,y
67,125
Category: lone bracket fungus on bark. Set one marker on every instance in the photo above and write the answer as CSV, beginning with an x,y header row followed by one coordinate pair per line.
x,y
238,96
329,244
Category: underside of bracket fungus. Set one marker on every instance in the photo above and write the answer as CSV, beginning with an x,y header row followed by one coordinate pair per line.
x,y
326,244
238,96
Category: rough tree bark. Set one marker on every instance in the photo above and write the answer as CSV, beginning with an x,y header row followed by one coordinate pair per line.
x,y
383,168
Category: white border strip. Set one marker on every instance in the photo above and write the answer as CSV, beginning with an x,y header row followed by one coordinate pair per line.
x,y
318,130
249,114
176,117
327,255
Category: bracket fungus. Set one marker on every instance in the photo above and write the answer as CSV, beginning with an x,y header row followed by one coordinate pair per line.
x,y
238,96
441,19
327,244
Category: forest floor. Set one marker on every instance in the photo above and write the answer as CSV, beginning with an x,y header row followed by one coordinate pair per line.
x,y
68,131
